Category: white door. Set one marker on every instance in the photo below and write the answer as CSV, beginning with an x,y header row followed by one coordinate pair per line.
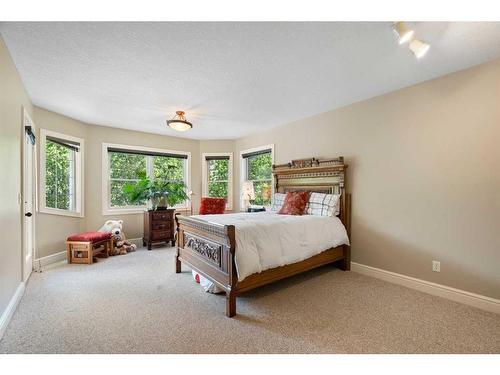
x,y
29,188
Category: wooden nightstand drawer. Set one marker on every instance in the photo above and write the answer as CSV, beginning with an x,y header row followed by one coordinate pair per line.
x,y
161,225
161,216
157,235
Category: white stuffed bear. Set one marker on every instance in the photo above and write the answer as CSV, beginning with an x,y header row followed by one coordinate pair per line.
x,y
122,246
112,226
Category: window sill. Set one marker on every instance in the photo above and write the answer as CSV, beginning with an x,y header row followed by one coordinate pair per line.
x,y
127,211
58,212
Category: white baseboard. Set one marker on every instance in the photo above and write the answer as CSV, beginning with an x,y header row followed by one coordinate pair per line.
x,y
457,295
11,308
49,260
52,260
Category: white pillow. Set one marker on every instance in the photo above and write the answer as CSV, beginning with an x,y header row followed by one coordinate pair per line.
x,y
323,204
278,199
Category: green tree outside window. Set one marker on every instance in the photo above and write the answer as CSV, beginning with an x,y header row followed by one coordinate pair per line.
x,y
126,168
218,177
59,176
260,172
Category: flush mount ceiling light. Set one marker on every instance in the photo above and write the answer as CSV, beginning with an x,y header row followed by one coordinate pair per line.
x,y
419,48
179,122
404,33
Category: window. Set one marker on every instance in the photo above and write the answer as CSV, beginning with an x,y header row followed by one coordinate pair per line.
x,y
257,167
123,165
217,171
61,159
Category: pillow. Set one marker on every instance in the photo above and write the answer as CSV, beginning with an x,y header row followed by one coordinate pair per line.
x,y
210,206
295,203
323,204
278,200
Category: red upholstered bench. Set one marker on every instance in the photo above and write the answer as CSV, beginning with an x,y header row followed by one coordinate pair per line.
x,y
82,247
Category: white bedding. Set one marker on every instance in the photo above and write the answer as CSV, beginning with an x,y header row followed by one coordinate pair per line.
x,y
266,240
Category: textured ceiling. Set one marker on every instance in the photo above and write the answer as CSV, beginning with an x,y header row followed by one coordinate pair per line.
x,y
232,79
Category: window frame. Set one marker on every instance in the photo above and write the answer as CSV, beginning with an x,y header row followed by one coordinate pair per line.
x,y
79,175
107,209
204,173
244,169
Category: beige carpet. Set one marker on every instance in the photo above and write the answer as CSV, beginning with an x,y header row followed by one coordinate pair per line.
x,y
136,304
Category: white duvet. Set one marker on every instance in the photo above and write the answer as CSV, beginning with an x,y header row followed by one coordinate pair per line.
x,y
266,240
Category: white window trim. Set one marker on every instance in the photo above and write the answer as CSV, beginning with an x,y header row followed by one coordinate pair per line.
x,y
243,168
204,173
79,176
106,209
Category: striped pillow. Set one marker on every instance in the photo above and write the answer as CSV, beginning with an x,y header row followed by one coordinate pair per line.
x,y
278,200
323,204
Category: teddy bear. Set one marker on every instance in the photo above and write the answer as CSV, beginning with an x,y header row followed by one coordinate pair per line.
x,y
122,246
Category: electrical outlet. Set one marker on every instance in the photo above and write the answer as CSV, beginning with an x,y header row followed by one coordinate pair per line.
x,y
436,266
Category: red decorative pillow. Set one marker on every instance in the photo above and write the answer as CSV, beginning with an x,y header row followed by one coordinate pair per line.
x,y
90,237
295,203
212,206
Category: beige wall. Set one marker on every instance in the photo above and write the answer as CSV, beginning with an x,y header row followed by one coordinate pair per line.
x,y
13,98
97,135
52,230
424,173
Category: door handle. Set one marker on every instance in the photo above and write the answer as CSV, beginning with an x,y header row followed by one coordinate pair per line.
x,y
28,214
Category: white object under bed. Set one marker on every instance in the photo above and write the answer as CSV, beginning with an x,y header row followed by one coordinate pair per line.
x,y
267,240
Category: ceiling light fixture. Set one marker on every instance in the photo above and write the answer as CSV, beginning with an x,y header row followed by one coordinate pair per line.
x,y
179,122
404,33
419,48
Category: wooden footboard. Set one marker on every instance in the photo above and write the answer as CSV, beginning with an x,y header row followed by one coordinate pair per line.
x,y
208,248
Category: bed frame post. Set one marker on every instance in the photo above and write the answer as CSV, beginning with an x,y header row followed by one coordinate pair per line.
x,y
233,275
178,243
345,265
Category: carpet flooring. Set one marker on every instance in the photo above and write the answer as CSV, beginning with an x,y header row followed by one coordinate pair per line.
x,y
135,303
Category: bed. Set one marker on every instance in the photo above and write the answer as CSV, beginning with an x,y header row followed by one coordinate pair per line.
x,y
209,244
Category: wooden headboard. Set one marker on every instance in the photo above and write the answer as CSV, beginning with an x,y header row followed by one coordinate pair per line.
x,y
315,175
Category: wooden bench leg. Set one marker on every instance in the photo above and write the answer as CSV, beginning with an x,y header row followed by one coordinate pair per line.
x,y
107,248
68,252
230,304
111,246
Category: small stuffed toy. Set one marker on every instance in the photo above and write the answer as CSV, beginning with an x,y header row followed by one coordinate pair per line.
x,y
122,246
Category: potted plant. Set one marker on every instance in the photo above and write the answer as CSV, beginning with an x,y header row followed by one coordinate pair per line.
x,y
162,194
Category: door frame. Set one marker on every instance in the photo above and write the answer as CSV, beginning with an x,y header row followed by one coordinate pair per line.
x,y
28,265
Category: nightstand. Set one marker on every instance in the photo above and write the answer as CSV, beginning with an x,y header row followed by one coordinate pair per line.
x,y
159,226
256,209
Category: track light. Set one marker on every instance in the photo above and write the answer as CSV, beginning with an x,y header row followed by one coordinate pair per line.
x,y
404,33
419,48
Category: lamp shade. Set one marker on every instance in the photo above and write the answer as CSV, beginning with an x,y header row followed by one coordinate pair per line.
x,y
419,48
179,122
404,33
247,190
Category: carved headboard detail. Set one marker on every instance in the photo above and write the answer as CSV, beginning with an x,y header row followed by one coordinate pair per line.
x,y
314,175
